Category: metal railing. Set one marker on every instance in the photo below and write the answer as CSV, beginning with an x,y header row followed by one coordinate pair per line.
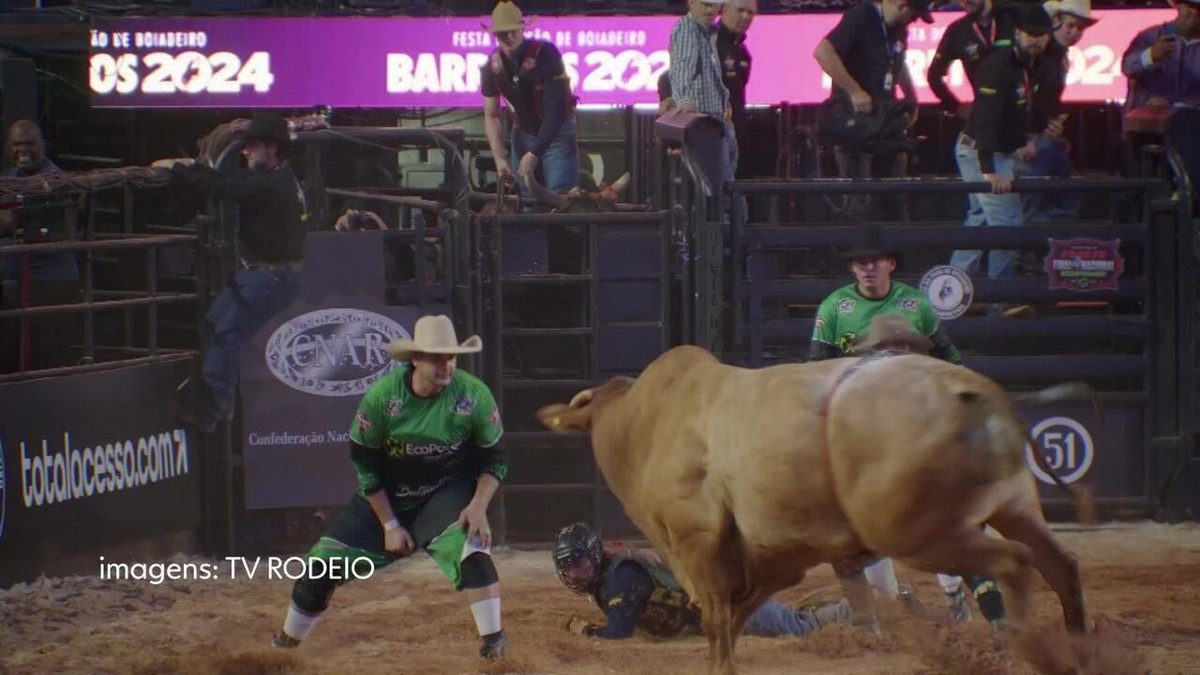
x,y
95,355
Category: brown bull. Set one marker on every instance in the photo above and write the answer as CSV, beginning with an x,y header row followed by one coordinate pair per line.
x,y
745,479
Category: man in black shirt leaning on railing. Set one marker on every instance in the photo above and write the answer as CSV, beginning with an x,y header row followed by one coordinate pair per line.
x,y
1001,126
270,241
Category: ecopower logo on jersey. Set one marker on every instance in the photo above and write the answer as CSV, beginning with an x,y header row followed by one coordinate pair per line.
x,y
53,474
332,352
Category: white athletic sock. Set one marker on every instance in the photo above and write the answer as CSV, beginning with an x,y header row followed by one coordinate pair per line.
x,y
299,624
882,577
487,615
950,584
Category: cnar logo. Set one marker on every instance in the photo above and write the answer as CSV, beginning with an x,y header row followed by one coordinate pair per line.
x,y
333,352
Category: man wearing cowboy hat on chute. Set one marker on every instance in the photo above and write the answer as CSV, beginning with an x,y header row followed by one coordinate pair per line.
x,y
531,76
425,446
270,245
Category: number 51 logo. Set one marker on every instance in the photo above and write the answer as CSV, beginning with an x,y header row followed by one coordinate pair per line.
x,y
1069,449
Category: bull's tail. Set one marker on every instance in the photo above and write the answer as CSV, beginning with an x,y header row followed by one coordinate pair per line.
x,y
1081,495
1063,392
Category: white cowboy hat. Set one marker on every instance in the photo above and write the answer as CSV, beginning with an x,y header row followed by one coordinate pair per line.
x,y
433,334
1080,9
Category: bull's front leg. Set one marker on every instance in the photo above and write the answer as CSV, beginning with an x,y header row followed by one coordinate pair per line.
x,y
858,592
718,626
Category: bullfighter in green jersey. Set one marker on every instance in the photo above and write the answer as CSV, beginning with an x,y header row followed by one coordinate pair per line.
x,y
425,446
846,314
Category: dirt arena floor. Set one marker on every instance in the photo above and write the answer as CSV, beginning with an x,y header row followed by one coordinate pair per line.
x,y
1142,583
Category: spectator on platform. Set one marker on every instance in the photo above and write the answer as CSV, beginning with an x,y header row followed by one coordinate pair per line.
x,y
1050,155
1162,63
1001,125
696,77
864,55
271,242
736,17
36,280
968,39
530,75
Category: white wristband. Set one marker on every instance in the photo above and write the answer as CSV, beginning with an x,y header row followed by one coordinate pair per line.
x,y
390,525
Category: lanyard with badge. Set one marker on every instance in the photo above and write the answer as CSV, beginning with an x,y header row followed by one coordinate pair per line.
x,y
1028,84
892,50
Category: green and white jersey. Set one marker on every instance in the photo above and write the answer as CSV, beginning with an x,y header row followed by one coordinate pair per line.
x,y
423,443
846,314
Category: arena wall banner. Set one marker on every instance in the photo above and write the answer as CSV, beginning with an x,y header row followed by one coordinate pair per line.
x,y
1105,455
92,460
305,372
387,62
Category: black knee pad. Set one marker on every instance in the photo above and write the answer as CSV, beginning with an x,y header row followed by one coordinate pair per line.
x,y
478,571
312,595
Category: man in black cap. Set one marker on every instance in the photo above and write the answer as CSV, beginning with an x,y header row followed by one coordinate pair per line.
x,y
1002,125
270,241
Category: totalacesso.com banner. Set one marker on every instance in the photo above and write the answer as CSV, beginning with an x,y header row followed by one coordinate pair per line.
x,y
435,62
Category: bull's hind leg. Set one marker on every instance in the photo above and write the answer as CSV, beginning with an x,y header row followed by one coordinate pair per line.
x,y
743,608
717,617
1057,565
973,552
858,591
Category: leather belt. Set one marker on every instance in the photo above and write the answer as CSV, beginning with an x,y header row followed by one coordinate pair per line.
x,y
282,266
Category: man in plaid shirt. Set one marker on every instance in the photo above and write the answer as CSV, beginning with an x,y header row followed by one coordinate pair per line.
x,y
695,72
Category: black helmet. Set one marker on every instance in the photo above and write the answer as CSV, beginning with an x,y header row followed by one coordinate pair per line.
x,y
574,543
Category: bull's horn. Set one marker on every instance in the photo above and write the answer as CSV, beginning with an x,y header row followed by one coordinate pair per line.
x,y
621,183
543,195
581,399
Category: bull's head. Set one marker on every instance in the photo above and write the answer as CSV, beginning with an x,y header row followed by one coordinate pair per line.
x,y
580,199
581,413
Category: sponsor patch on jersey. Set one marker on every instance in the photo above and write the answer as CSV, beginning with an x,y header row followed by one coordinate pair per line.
x,y
908,304
846,305
494,418
363,422
464,405
846,341
394,405
820,322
